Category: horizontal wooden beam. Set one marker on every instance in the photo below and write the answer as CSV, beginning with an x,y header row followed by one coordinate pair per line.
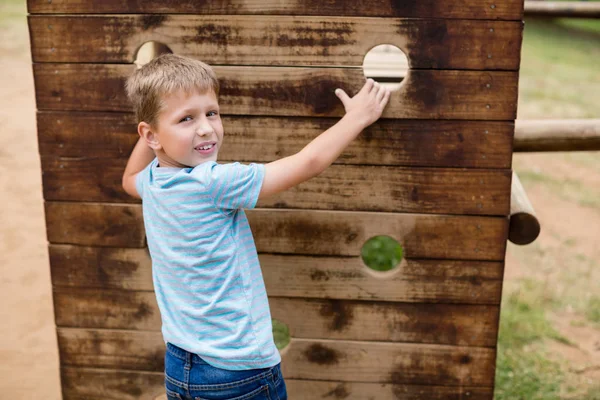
x,y
454,324
332,277
290,91
291,231
569,9
312,359
114,384
524,225
471,9
410,143
557,135
278,40
348,187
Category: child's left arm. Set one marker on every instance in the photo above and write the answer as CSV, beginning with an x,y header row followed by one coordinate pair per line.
x,y
140,157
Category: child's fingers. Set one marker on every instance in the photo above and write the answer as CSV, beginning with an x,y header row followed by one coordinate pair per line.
x,y
381,93
386,98
342,96
367,86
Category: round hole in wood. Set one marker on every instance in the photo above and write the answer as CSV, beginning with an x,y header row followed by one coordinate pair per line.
x,y
386,64
382,253
149,51
281,334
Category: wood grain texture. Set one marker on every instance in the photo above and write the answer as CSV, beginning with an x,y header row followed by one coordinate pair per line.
x,y
112,384
288,91
415,143
278,40
308,232
473,9
87,223
339,360
348,187
464,325
344,278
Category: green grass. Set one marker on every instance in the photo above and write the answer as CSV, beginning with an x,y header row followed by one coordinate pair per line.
x,y
382,253
567,189
281,334
523,370
559,77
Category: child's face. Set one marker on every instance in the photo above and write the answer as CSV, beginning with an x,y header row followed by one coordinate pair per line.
x,y
188,124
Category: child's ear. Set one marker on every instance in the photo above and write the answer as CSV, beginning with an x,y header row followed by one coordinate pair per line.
x,y
147,132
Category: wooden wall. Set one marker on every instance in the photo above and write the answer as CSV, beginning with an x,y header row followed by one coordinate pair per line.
x,y
434,173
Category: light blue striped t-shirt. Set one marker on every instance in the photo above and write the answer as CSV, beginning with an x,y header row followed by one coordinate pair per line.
x,y
207,277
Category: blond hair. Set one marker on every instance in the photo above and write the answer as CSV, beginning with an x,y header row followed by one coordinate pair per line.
x,y
166,74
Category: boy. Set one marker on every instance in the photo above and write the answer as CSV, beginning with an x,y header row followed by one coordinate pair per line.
x,y
215,314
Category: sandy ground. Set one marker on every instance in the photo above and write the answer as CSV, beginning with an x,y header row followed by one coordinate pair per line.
x,y
28,350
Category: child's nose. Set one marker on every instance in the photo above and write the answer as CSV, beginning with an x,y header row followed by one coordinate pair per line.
x,y
204,129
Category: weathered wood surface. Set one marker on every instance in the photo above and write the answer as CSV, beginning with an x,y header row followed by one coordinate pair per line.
x,y
288,91
112,384
278,40
472,9
557,135
468,144
86,223
344,278
340,360
349,187
305,232
464,325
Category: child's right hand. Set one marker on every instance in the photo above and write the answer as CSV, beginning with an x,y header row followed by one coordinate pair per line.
x,y
368,104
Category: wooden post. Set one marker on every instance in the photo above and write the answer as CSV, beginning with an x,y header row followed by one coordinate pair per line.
x,y
578,9
557,135
524,226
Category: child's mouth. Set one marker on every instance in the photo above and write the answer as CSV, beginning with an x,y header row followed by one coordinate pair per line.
x,y
206,149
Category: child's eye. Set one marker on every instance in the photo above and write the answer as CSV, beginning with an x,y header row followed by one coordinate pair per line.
x,y
186,118
212,113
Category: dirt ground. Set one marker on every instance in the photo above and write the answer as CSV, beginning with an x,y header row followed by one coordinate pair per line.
x,y
28,350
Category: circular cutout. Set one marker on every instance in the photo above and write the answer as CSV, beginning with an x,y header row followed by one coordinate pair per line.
x,y
281,334
386,64
382,253
149,51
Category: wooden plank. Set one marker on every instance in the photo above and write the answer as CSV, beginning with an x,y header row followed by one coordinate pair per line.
x,y
438,281
473,9
278,40
112,384
288,91
349,187
557,135
399,363
464,325
84,223
467,144
298,232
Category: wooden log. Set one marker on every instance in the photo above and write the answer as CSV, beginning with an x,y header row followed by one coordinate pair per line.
x,y
455,324
524,225
460,144
557,135
344,278
571,9
308,232
470,9
311,359
112,384
349,187
288,91
278,40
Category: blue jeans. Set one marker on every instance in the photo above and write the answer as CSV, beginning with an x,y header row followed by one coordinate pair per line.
x,y
187,376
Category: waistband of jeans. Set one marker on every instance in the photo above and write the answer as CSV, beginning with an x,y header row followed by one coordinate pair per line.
x,y
184,354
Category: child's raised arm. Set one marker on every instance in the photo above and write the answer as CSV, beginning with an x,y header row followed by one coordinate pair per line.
x,y
361,111
140,157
